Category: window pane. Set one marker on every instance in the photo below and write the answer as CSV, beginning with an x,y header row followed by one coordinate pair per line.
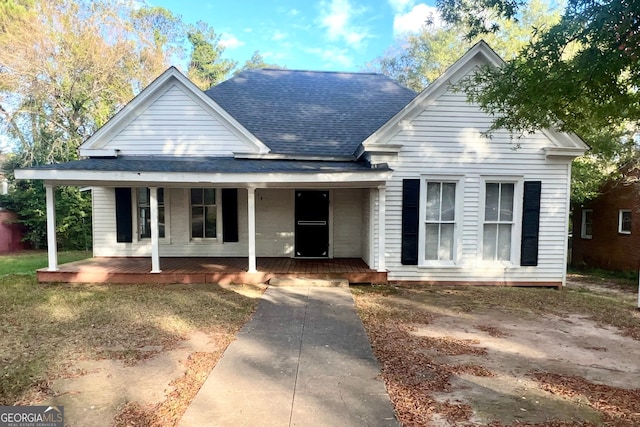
x,y
210,224
504,242
433,201
489,241
491,202
209,196
506,202
446,242
143,196
197,221
448,201
431,242
161,221
161,196
626,221
145,222
196,196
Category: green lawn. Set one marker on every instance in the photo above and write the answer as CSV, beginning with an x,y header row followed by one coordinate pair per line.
x,y
30,261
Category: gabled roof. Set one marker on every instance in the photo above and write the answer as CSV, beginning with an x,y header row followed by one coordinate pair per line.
x,y
137,106
565,144
308,112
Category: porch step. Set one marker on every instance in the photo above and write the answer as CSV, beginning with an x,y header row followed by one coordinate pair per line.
x,y
301,281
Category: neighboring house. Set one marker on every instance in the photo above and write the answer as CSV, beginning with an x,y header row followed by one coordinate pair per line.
x,y
282,163
604,228
11,232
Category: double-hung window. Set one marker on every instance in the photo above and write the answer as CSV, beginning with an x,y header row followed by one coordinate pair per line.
x,y
144,213
624,221
204,213
439,213
586,228
498,226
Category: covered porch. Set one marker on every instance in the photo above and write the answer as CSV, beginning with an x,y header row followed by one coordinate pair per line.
x,y
210,270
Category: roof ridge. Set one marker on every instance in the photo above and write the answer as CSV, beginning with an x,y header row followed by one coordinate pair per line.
x,y
371,73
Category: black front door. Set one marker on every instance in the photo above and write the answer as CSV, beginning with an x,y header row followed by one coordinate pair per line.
x,y
312,224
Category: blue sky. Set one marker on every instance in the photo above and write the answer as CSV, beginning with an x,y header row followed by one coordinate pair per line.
x,y
339,35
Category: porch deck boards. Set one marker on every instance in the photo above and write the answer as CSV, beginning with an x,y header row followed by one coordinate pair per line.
x,y
210,270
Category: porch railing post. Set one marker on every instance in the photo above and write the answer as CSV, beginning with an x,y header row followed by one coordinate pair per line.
x,y
251,214
155,234
382,229
52,242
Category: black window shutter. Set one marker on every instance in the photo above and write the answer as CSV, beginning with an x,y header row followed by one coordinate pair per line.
x,y
124,223
229,214
530,223
410,213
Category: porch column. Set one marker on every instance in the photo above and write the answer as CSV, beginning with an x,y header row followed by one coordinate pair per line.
x,y
251,214
382,229
155,233
52,243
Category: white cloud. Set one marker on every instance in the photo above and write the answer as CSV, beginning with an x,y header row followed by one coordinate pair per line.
x,y
279,35
337,17
229,41
400,6
415,19
333,57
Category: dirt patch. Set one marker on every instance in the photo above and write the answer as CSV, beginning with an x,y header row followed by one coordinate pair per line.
x,y
498,357
102,388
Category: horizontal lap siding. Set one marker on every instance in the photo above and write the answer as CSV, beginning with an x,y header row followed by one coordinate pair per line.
x,y
274,226
274,222
177,242
175,124
347,223
446,140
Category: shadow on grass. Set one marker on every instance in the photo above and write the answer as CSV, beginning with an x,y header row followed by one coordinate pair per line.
x,y
44,328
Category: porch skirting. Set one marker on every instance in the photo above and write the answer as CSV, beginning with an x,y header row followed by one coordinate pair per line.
x,y
210,270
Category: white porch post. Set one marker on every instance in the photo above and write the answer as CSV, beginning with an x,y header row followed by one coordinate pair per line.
x,y
382,229
155,233
52,243
251,214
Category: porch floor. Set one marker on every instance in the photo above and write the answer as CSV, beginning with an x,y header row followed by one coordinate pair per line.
x,y
209,270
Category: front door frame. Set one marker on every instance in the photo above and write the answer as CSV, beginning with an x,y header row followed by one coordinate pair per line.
x,y
330,223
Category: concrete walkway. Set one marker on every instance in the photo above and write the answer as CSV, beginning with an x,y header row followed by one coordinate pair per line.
x,y
302,360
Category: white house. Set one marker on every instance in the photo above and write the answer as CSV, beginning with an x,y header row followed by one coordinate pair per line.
x,y
281,163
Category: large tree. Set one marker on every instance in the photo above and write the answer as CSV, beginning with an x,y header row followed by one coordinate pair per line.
x,y
207,67
418,59
66,66
581,74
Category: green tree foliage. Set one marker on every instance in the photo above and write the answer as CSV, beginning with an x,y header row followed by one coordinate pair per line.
x,y
580,75
66,67
419,59
257,62
207,67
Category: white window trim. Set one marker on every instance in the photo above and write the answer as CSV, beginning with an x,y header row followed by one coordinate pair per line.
x,y
167,216
457,227
620,212
207,240
516,231
583,224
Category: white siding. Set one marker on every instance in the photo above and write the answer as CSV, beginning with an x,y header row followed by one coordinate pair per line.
x,y
445,140
365,246
274,222
274,226
176,124
347,223
177,243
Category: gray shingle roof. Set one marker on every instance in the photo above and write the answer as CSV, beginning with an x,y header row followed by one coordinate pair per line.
x,y
207,165
310,112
